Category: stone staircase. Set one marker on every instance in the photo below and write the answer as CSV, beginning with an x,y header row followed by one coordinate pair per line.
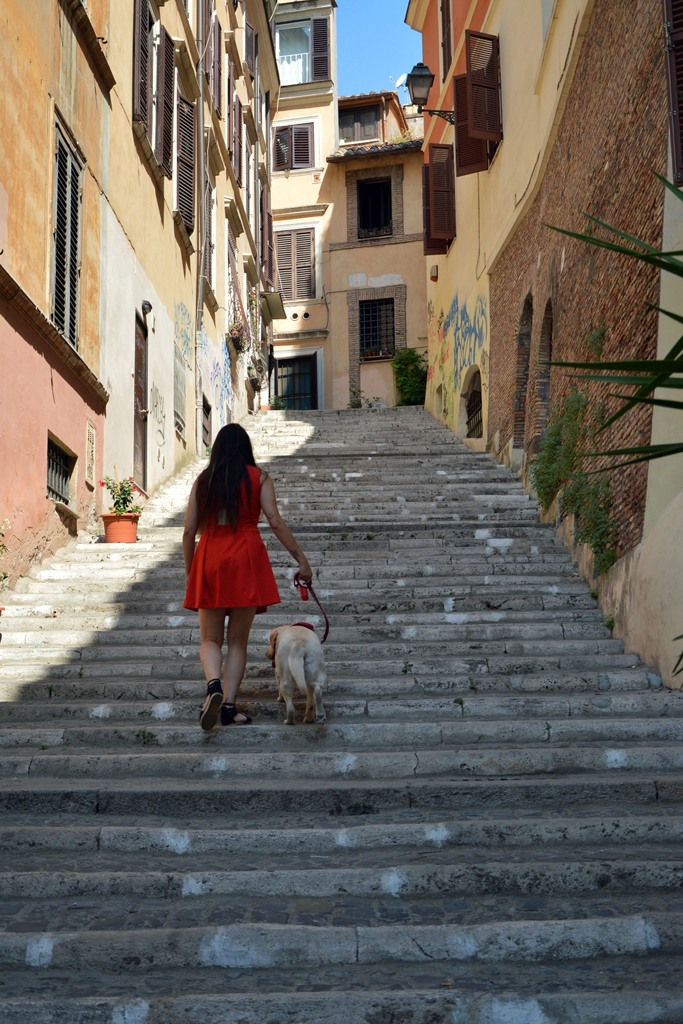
x,y
487,830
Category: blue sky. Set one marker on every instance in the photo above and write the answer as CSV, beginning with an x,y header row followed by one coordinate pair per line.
x,y
374,43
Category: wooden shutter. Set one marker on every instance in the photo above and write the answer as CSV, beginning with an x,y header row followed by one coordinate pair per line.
x,y
368,119
305,264
208,38
430,246
285,267
164,141
141,63
446,51
263,206
186,162
674,53
217,68
237,147
65,260
229,110
471,154
208,221
281,156
441,192
270,254
302,145
249,47
320,49
483,87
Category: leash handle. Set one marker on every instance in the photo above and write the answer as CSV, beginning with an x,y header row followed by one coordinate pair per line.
x,y
304,588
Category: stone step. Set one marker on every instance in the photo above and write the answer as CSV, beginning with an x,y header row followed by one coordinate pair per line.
x,y
414,762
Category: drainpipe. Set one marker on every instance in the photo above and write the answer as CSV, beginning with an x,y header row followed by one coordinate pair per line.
x,y
201,173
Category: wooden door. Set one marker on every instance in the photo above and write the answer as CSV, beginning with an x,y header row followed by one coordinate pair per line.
x,y
140,401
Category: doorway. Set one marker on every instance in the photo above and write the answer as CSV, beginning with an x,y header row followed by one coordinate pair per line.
x,y
206,424
296,383
140,407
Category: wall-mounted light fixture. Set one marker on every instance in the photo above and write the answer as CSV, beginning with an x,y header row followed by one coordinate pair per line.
x,y
419,82
146,307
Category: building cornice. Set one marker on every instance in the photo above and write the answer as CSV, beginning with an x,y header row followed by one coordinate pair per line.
x,y
14,295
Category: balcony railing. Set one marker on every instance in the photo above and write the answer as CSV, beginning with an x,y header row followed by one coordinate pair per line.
x,y
294,68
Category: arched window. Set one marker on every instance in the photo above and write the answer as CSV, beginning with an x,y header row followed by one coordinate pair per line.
x,y
545,355
475,422
522,379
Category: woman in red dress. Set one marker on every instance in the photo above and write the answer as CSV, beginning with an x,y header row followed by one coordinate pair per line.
x,y
229,574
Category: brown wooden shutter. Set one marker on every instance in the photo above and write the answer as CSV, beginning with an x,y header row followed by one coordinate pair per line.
x,y
446,51
281,156
302,145
285,268
674,52
217,68
320,49
430,246
186,162
441,192
164,146
270,255
249,47
229,110
305,264
483,87
208,221
141,62
471,154
237,148
208,38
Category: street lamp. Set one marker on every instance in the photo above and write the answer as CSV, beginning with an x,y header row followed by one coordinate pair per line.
x,y
419,82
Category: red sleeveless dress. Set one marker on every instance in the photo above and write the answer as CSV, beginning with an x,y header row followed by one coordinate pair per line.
x,y
231,568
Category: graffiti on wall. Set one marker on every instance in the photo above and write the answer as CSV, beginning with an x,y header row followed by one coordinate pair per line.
x,y
183,331
457,340
157,408
217,376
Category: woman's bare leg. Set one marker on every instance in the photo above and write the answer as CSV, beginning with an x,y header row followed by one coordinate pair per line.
x,y
212,633
239,626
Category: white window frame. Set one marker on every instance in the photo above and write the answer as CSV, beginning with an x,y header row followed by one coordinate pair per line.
x,y
296,23
293,351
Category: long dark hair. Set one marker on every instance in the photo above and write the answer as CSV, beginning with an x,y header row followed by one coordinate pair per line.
x,y
219,487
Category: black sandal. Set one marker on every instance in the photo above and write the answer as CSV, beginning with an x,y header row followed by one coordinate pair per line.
x,y
229,713
208,716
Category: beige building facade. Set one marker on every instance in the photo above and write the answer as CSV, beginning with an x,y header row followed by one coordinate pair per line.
x,y
136,247
347,226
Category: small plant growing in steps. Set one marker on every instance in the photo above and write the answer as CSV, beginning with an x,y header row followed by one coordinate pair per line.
x,y
145,737
609,622
407,667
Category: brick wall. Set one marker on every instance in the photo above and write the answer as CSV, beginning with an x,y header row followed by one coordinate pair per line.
x,y
612,136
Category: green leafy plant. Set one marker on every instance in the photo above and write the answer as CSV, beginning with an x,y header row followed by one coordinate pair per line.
x,y
645,376
122,492
278,402
595,341
410,374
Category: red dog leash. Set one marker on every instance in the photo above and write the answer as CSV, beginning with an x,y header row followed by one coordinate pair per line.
x,y
303,589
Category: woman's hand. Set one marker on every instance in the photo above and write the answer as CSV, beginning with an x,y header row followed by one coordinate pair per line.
x,y
305,571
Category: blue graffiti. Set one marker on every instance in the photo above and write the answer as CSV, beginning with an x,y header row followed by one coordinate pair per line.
x,y
469,333
183,331
225,391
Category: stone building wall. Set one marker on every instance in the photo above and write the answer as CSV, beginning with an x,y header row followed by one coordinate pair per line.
x,y
612,137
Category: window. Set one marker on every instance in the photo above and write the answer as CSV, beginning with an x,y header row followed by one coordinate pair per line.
x,y
153,86
185,161
438,200
446,51
374,208
250,47
293,148
59,466
178,391
66,269
303,51
546,12
359,125
209,213
237,139
376,319
248,183
475,423
90,439
674,52
296,263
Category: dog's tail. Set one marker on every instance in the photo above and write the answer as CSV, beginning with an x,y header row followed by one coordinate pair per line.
x,y
296,667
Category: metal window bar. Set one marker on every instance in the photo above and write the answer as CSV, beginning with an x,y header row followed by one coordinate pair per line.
x,y
376,317
58,473
475,423
295,383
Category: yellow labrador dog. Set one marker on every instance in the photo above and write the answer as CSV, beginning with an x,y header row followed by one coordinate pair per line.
x,y
299,662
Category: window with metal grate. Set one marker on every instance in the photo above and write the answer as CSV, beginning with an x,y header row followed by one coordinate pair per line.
x,y
58,473
374,208
66,268
178,391
376,321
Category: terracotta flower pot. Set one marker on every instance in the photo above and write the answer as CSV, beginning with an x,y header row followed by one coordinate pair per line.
x,y
121,529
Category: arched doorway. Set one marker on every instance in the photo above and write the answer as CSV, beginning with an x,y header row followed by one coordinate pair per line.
x,y
470,420
545,355
522,378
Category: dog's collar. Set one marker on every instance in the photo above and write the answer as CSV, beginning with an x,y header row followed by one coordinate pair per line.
x,y
306,624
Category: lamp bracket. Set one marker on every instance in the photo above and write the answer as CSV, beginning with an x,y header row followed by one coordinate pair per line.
x,y
447,115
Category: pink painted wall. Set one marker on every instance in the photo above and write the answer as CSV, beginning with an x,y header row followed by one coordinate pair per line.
x,y
40,393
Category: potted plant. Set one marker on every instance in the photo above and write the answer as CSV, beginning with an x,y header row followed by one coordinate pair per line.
x,y
121,522
237,336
